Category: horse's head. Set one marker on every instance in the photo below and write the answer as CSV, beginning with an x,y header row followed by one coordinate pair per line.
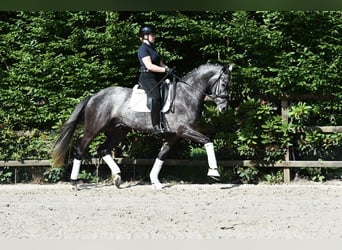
x,y
218,86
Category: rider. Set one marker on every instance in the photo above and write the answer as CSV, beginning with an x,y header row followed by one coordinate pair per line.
x,y
151,69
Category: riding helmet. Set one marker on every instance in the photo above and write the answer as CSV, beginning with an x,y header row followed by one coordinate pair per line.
x,y
147,30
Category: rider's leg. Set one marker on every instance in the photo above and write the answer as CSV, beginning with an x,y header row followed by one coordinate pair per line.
x,y
156,115
151,87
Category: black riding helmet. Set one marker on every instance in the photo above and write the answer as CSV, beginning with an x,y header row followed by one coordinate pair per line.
x,y
147,30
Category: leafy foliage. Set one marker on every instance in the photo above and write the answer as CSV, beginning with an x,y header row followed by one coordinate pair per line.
x,y
53,175
5,176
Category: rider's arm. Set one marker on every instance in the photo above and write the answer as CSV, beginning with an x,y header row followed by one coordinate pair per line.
x,y
152,67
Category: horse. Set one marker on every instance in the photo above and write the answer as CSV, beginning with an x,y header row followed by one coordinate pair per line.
x,y
109,111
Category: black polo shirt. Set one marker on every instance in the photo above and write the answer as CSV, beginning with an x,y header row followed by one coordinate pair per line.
x,y
147,50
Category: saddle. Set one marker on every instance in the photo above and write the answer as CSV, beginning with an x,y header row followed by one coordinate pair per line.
x,y
140,102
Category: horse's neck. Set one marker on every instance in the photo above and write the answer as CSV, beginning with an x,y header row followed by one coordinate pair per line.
x,y
192,89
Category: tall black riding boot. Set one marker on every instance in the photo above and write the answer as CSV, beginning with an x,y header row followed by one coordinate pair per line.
x,y
155,117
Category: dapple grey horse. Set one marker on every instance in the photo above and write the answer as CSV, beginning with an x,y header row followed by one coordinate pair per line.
x,y
109,111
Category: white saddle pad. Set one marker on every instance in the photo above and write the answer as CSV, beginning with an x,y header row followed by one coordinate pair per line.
x,y
138,100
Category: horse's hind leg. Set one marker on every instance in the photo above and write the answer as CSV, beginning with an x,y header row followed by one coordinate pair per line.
x,y
114,136
158,163
89,135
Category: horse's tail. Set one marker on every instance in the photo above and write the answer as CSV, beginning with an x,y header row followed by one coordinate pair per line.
x,y
61,146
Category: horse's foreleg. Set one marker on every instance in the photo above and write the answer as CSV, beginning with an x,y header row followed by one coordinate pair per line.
x,y
212,172
193,135
158,163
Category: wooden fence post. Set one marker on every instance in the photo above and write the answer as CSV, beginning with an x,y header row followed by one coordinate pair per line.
x,y
284,116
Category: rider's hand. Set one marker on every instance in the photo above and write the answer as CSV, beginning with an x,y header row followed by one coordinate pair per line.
x,y
169,71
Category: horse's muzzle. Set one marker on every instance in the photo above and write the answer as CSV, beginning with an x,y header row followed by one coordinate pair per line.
x,y
221,105
224,109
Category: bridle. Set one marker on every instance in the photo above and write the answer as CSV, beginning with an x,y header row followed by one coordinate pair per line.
x,y
217,91
216,85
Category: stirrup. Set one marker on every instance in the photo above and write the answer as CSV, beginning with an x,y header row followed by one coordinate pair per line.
x,y
158,129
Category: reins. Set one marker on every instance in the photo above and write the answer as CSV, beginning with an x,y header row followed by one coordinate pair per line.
x,y
215,84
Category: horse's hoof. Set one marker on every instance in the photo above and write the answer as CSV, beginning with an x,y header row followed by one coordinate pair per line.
x,y
213,173
74,185
117,180
215,178
157,186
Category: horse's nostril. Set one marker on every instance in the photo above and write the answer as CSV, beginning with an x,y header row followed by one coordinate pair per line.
x,y
221,109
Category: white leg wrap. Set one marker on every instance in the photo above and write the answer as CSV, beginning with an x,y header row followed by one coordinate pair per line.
x,y
75,169
158,164
209,147
111,164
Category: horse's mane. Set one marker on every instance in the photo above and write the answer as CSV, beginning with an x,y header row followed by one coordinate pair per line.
x,y
193,72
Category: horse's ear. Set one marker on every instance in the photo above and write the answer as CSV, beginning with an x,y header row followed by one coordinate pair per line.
x,y
224,69
230,67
